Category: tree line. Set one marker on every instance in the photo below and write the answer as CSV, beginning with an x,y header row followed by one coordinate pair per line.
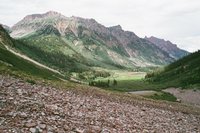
x,y
103,83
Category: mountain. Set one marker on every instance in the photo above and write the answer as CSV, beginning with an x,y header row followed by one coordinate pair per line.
x,y
7,28
15,65
84,43
76,106
168,47
183,73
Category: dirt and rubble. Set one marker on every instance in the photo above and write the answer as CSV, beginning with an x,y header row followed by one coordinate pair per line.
x,y
36,108
189,96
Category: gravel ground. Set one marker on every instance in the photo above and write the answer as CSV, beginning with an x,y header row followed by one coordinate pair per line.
x,y
143,93
30,108
188,96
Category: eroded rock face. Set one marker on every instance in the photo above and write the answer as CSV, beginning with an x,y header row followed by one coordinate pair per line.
x,y
37,108
168,47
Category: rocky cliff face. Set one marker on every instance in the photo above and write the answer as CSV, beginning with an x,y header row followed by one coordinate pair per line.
x,y
168,47
32,23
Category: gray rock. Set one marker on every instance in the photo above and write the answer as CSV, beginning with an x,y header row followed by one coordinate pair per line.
x,y
32,130
42,126
30,124
19,91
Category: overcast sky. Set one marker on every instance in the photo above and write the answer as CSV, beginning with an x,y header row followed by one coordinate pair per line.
x,y
174,20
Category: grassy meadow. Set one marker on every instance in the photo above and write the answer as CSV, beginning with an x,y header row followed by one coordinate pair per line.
x,y
127,81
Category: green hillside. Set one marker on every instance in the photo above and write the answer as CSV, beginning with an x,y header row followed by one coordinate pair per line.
x,y
86,54
12,64
182,73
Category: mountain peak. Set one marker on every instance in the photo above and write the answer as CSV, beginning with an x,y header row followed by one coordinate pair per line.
x,y
153,39
88,20
52,13
47,14
116,27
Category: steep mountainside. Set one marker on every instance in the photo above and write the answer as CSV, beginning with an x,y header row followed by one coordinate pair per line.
x,y
9,62
4,37
85,42
184,72
7,28
168,47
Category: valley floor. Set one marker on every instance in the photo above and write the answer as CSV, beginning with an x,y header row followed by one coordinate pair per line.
x,y
32,108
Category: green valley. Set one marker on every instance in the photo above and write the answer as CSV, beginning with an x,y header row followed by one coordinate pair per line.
x,y
84,51
99,66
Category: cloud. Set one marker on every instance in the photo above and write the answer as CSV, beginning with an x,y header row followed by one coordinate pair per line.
x,y
191,43
174,20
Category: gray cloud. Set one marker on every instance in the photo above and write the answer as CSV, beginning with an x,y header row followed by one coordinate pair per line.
x,y
174,20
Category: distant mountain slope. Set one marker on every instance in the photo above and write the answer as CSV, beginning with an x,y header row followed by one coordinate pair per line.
x,y
184,72
168,47
10,63
7,28
86,42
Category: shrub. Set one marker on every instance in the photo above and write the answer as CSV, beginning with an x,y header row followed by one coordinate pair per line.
x,y
31,81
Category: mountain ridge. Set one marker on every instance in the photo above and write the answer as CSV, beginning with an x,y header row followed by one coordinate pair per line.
x,y
100,45
169,47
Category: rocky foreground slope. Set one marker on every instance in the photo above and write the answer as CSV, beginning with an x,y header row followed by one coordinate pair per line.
x,y
36,108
